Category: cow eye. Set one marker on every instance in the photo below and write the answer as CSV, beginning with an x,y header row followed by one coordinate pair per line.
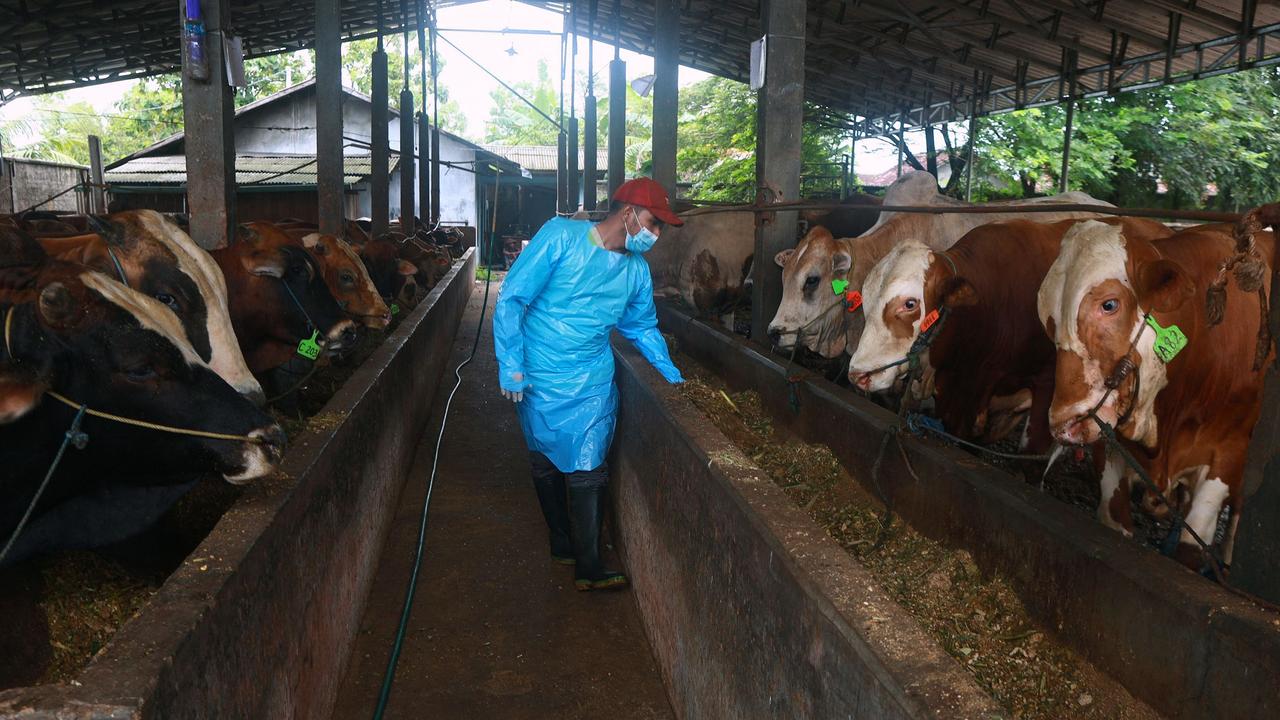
x,y
910,304
141,373
168,299
811,281
1110,305
347,278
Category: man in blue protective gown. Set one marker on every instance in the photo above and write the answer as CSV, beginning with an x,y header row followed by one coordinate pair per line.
x,y
573,284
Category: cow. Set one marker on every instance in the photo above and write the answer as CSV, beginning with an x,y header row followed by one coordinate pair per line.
x,y
706,261
96,343
347,278
810,314
148,252
1185,415
854,216
989,362
278,299
394,278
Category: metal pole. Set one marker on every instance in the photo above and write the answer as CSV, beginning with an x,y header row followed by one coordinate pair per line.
x,y
6,185
781,114
1066,131
617,110
666,99
435,120
589,143
902,140
380,150
968,160
97,193
424,119
571,149
408,174
330,180
208,109
562,141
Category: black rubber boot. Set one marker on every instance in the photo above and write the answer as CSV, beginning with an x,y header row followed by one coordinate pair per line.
x,y
555,509
586,506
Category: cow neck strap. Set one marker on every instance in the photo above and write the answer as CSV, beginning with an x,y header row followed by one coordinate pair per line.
x,y
119,268
1123,368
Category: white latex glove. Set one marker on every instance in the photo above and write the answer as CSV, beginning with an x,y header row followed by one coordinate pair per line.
x,y
515,395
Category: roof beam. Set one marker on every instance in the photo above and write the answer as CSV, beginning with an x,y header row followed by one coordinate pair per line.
x,y
1010,23
1206,18
1099,20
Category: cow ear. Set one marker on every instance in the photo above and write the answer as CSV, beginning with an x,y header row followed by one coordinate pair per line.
x,y
56,304
957,292
782,257
406,268
841,262
357,248
111,231
246,234
312,243
265,264
1163,286
19,394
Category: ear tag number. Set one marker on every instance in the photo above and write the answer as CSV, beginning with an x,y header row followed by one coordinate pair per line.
x,y
929,320
1169,340
839,286
395,309
852,300
309,348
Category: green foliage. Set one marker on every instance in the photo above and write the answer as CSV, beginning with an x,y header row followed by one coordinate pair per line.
x,y
512,122
1219,132
357,60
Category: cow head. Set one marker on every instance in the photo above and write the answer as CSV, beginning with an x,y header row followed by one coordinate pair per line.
x,y
114,349
810,311
898,294
394,278
280,289
162,261
1092,303
348,280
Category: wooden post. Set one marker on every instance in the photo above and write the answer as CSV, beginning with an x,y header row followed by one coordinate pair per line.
x,y
617,124
380,183
208,110
330,178
97,193
435,118
968,161
589,144
666,66
1255,564
780,114
6,184
427,211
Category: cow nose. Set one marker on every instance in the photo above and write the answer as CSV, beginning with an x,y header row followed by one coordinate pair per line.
x,y
1070,432
861,380
272,440
775,335
255,396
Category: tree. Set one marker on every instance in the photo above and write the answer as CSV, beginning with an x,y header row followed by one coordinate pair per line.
x,y
512,122
357,60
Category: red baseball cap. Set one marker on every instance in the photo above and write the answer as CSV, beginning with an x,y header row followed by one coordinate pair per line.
x,y
647,193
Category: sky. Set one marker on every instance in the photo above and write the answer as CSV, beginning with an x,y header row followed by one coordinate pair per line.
x,y
471,86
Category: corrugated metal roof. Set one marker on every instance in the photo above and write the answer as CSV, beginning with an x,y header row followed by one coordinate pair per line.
x,y
542,157
250,170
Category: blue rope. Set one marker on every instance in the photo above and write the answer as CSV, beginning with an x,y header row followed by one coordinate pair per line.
x,y
73,437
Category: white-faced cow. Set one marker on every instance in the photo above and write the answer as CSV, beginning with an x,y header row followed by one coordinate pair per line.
x,y
1186,414
705,261
989,363
76,332
811,313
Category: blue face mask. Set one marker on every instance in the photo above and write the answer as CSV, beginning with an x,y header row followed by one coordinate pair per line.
x,y
642,240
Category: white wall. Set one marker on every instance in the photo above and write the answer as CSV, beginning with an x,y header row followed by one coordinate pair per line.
x,y
457,185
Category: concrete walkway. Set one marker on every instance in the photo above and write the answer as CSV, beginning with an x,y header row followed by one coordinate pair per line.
x,y
498,630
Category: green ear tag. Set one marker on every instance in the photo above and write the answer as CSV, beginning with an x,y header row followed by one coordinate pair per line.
x,y
395,309
1169,341
839,286
309,348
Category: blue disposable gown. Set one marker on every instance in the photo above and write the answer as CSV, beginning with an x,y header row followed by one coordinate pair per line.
x,y
555,310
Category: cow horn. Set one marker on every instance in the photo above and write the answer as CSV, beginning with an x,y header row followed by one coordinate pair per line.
x,y
57,306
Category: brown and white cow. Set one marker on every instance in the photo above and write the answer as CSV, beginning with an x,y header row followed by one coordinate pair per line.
x,y
705,261
86,336
990,362
1188,420
278,297
809,312
153,255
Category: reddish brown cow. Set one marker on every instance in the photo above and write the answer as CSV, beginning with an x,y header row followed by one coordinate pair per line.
x,y
346,277
278,298
1186,417
991,361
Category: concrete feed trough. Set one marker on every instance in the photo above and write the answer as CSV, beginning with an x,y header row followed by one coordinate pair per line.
x,y
259,620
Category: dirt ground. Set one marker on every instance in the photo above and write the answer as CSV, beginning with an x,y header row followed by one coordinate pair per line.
x,y
977,619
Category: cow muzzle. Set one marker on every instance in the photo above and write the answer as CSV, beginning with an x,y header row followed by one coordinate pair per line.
x,y
781,338
342,336
260,457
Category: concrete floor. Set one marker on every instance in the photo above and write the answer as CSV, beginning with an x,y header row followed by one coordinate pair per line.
x,y
498,630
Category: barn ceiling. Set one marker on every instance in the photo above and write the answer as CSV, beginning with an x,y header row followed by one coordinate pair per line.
x,y
873,65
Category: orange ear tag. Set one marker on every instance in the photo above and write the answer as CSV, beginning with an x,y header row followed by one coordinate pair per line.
x,y
852,300
929,320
